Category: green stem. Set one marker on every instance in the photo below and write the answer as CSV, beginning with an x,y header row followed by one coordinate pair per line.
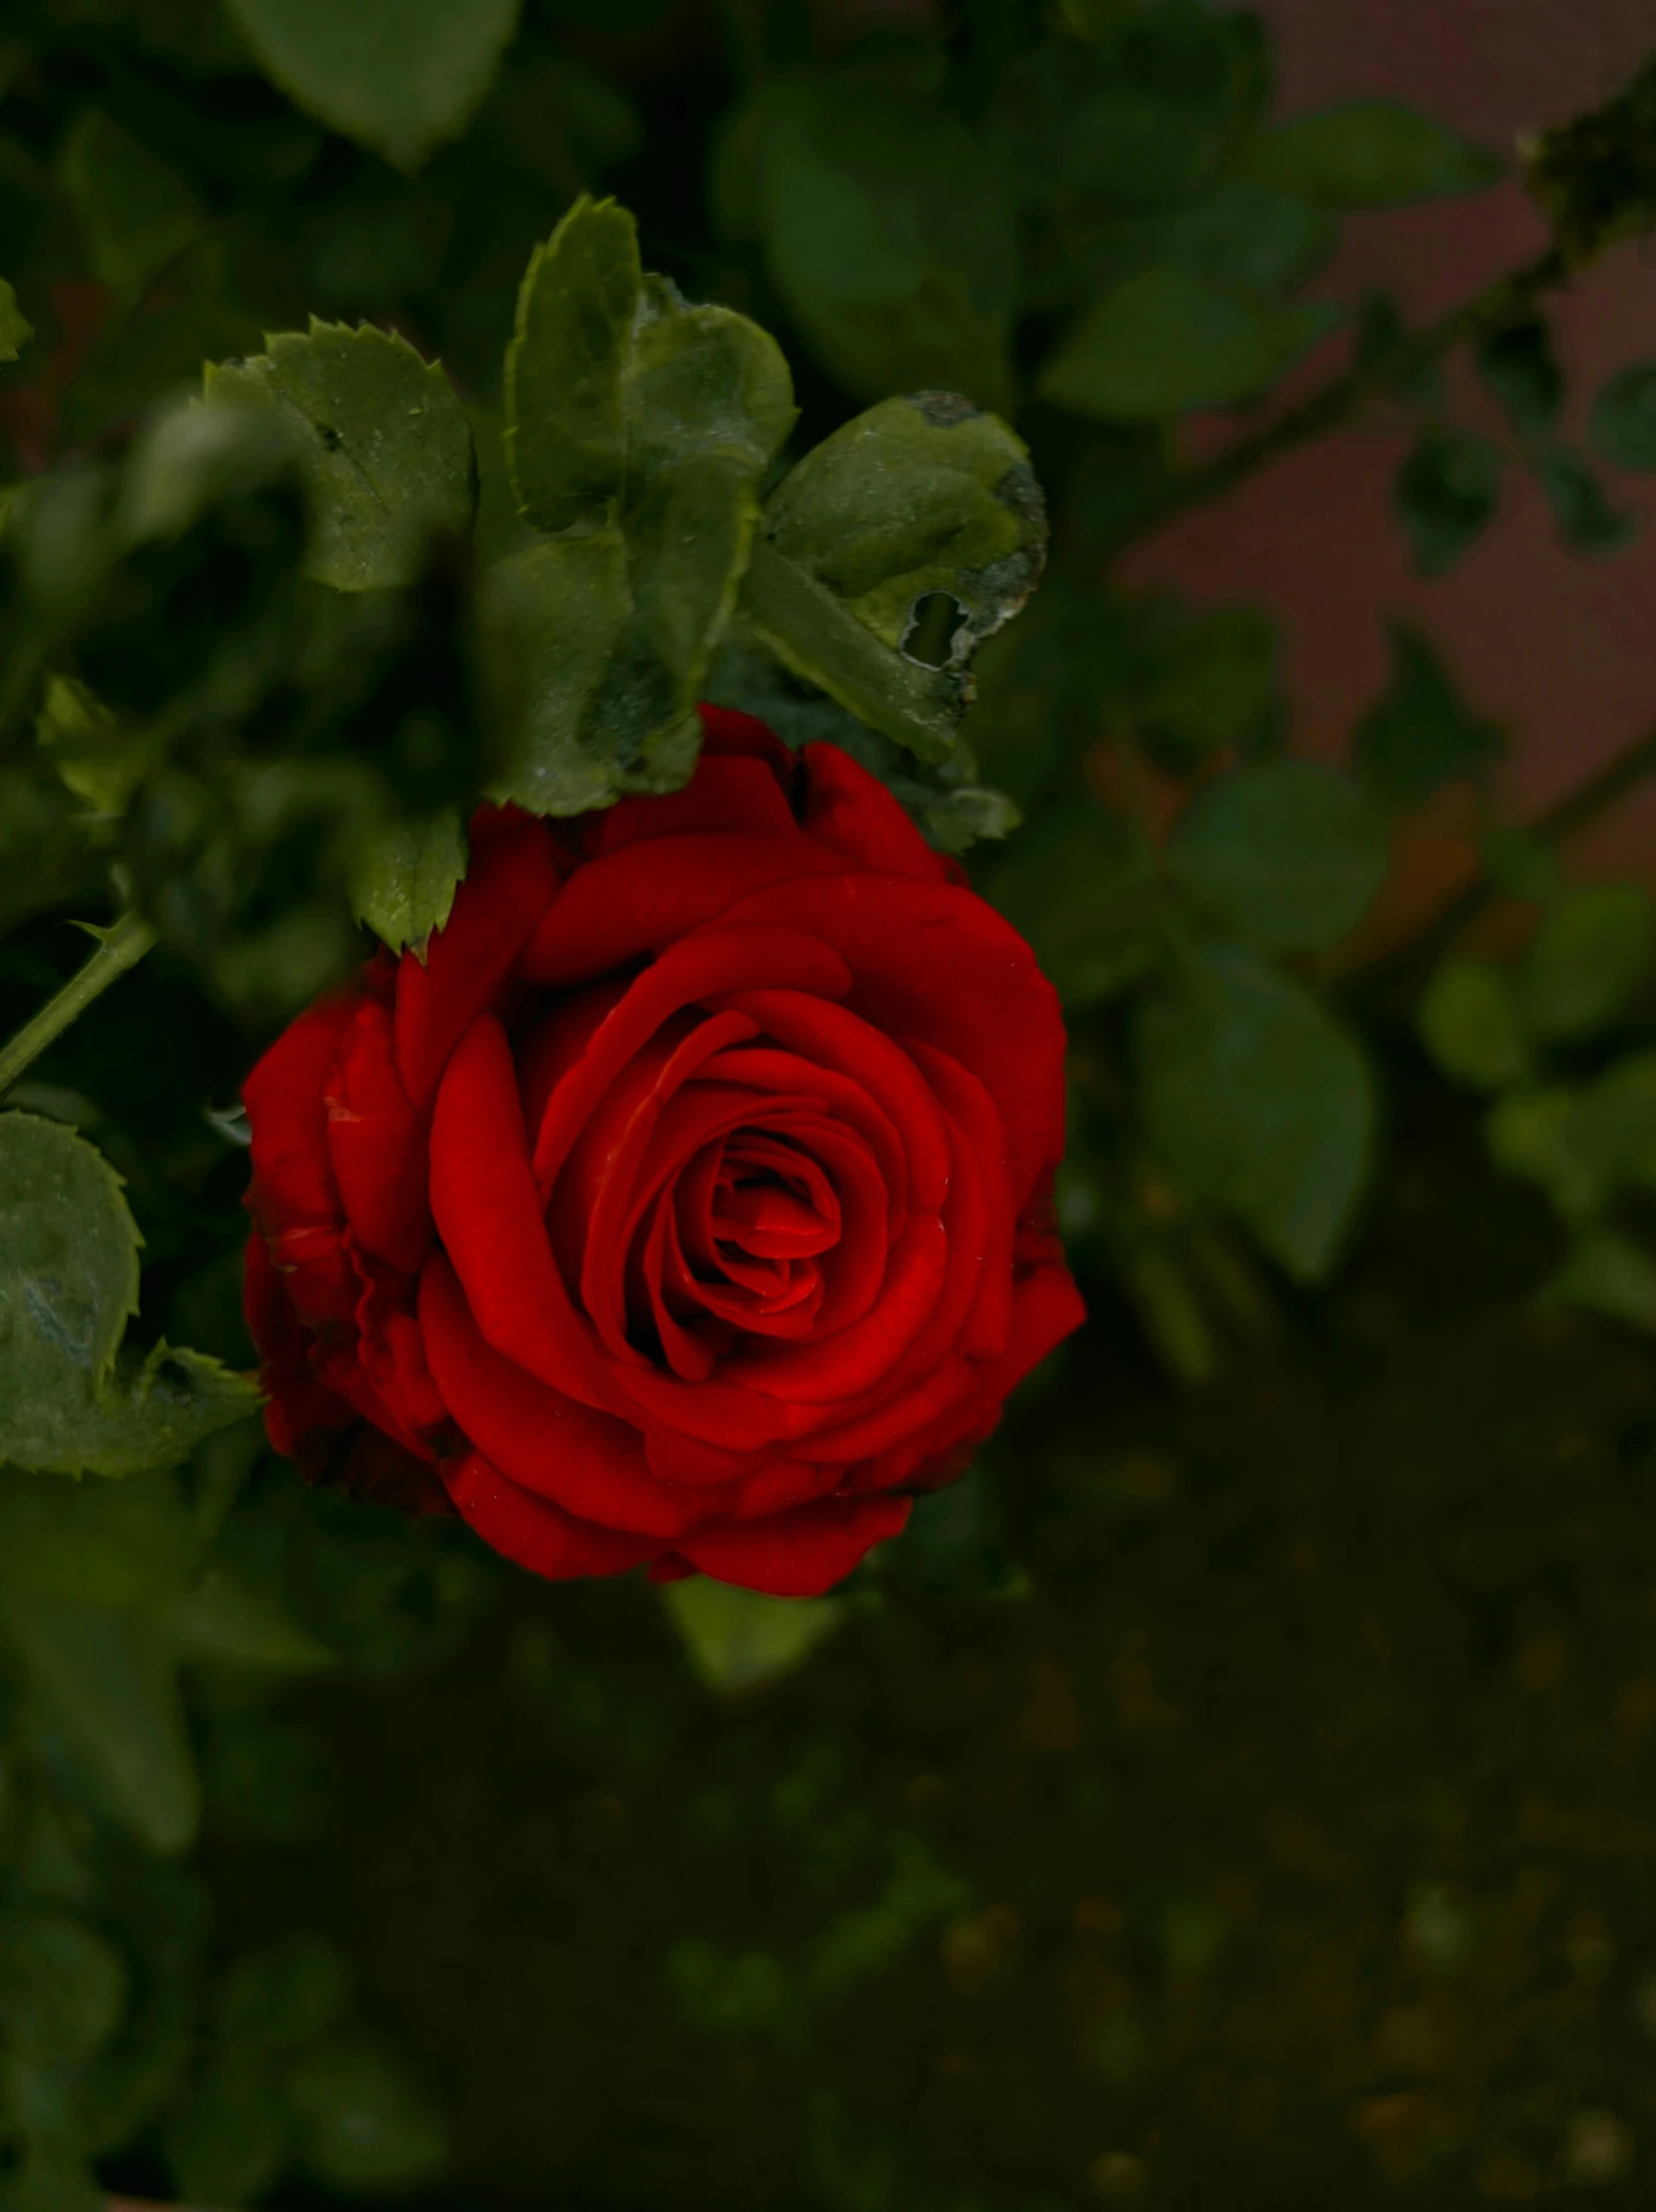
x,y
1398,976
122,948
1601,790
1387,369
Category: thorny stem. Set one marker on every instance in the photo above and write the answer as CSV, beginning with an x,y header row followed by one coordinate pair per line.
x,y
120,948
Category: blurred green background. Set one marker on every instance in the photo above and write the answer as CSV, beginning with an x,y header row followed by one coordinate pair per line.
x,y
1238,1790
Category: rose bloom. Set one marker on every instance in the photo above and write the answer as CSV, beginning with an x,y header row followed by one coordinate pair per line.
x,y
689,1203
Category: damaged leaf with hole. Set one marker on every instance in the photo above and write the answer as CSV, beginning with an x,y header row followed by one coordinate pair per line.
x,y
889,553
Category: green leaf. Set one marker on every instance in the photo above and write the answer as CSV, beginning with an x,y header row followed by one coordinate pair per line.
x,y
1288,856
591,719
361,2125
54,2177
405,876
1610,1275
385,444
916,497
737,1640
15,328
231,2141
1519,365
1145,122
68,1269
1169,341
1586,520
566,417
1446,492
888,232
217,1619
68,1281
1241,236
96,1543
283,1997
108,1680
399,75
1521,862
137,212
1420,734
1207,678
61,1989
1082,889
1545,1136
1468,1023
1620,1120
1623,425
639,427
1588,958
1582,1146
1369,154
1259,1101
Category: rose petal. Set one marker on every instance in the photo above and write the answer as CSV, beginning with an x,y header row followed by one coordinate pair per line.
x,y
293,1180
596,1191
729,790
545,1055
829,1036
853,1360
713,963
511,881
981,1139
533,1533
765,1068
586,1462
936,962
847,808
487,1214
376,1143
727,731
649,895
298,1404
800,1554
1047,1306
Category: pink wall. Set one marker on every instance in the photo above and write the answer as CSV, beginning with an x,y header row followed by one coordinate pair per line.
x,y
1562,648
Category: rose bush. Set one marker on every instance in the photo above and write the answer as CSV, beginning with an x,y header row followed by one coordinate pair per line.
x,y
689,1202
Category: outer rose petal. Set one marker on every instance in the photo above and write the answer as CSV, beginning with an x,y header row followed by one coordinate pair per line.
x,y
853,811
1044,1311
376,1143
654,891
294,1182
310,1423
727,792
799,1554
511,880
298,1404
726,730
487,1214
563,1451
537,1534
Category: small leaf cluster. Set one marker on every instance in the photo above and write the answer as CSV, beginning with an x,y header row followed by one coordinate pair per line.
x,y
1552,1040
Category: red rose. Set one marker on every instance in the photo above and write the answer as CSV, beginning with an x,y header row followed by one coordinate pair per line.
x,y
689,1203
